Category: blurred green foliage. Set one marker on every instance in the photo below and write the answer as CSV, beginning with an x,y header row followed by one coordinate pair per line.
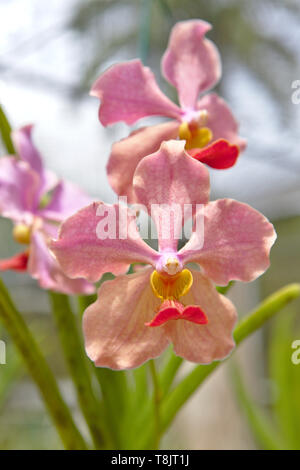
x,y
276,422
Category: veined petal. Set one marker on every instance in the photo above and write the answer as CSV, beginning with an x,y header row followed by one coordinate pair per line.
x,y
66,199
22,139
236,245
219,155
128,92
220,120
43,267
101,238
191,62
204,343
18,190
114,326
126,154
169,182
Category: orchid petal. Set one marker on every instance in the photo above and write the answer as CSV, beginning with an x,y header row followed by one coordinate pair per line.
x,y
22,139
220,120
191,62
167,182
83,251
43,267
126,154
204,343
18,190
236,245
66,199
129,92
114,326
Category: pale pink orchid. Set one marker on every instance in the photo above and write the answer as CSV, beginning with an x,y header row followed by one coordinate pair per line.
x,y
137,315
128,92
36,201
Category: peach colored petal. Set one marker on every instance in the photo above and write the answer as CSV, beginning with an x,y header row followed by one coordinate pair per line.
x,y
237,242
191,62
82,252
126,154
114,326
208,342
170,178
128,91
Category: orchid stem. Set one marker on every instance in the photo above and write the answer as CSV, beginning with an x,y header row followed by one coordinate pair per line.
x,y
5,131
249,324
40,372
156,402
77,364
144,35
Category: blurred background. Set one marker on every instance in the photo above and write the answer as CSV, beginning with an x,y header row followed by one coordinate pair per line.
x,y
50,54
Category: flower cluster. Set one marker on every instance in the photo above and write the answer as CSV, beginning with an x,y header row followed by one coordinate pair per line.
x,y
135,316
170,294
36,201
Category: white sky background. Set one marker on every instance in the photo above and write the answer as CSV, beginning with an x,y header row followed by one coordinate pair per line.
x,y
74,144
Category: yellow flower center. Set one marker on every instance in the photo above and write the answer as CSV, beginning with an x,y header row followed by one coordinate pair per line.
x,y
171,287
22,234
195,133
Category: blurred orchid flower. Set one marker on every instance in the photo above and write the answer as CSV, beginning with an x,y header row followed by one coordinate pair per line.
x,y
37,202
135,316
128,91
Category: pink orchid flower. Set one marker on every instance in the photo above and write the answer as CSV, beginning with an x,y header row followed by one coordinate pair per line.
x,y
137,315
128,92
37,202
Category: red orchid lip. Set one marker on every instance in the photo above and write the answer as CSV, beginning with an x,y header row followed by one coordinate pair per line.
x,y
219,155
15,263
174,310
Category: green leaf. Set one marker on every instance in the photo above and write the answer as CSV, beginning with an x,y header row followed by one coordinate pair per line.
x,y
261,425
252,322
40,371
285,375
77,363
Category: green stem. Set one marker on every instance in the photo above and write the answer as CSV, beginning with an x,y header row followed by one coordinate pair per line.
x,y
169,372
5,131
262,426
114,388
77,363
84,301
156,403
144,34
248,325
40,372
